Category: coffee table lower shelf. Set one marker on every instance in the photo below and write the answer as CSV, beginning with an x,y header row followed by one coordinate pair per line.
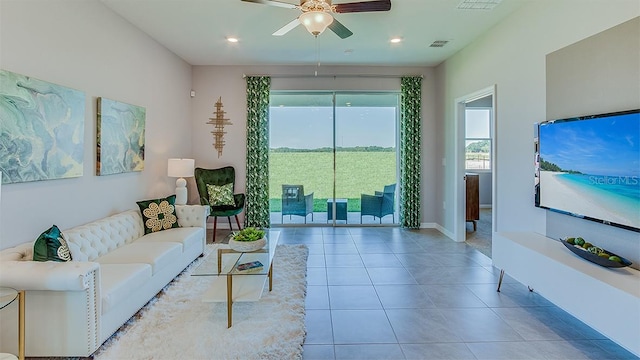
x,y
237,288
245,288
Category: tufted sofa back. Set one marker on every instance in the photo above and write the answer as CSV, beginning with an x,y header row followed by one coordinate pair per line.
x,y
90,241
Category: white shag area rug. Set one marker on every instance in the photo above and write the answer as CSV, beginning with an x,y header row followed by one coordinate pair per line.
x,y
178,325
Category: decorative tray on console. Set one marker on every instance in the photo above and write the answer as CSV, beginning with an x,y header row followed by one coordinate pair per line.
x,y
593,256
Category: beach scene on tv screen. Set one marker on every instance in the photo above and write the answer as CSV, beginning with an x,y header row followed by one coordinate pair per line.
x,y
592,168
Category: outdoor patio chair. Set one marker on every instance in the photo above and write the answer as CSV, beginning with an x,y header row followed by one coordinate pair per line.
x,y
219,178
380,204
295,202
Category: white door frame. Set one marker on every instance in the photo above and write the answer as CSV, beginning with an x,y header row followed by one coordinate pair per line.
x,y
459,197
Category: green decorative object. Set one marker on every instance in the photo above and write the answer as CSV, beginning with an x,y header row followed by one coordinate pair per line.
x,y
247,240
257,212
410,120
51,246
248,234
158,214
41,129
120,137
221,195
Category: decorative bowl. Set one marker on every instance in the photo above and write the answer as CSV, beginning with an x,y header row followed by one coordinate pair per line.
x,y
602,261
247,246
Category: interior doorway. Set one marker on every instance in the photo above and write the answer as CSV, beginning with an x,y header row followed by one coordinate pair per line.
x,y
475,209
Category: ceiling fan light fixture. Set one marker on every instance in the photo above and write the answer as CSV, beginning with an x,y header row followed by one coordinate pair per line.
x,y
316,21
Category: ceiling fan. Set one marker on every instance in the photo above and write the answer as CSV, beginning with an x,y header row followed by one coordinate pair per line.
x,y
317,14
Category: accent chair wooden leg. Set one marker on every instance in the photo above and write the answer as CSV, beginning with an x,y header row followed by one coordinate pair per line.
x,y
215,223
238,222
230,227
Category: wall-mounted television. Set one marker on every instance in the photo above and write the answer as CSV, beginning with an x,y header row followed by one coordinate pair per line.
x,y
589,167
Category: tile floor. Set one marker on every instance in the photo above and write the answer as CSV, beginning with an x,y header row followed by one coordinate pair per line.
x,y
389,293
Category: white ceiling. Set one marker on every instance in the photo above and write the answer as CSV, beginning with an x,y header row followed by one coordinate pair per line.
x,y
196,30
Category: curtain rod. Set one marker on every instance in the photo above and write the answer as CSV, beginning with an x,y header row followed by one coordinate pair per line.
x,y
291,76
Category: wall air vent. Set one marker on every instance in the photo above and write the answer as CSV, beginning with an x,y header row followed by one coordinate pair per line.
x,y
478,4
439,43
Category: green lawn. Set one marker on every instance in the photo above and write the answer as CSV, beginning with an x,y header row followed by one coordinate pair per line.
x,y
357,173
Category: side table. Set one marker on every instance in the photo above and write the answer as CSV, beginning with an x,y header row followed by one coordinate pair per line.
x,y
341,209
8,296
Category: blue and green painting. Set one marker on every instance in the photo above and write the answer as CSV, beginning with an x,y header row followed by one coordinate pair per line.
x,y
41,129
120,137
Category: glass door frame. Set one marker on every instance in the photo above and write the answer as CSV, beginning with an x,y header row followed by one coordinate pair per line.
x,y
334,151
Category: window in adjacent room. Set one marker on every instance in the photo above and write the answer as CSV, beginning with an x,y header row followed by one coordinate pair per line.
x,y
478,138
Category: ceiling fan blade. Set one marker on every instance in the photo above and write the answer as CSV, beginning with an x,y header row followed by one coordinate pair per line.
x,y
340,30
364,6
285,29
273,3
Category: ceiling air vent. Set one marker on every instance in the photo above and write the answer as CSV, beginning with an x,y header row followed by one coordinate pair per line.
x,y
478,4
439,43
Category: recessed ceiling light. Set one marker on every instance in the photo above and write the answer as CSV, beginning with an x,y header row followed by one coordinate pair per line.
x,y
396,40
232,39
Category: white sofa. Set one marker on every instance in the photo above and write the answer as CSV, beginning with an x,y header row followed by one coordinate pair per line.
x,y
73,307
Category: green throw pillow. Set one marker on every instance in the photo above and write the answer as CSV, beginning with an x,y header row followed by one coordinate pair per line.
x,y
221,195
51,245
158,214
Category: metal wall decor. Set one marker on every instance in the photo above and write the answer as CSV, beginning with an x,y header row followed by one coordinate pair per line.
x,y
218,123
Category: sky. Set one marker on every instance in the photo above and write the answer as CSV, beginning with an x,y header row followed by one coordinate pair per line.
x,y
312,127
602,146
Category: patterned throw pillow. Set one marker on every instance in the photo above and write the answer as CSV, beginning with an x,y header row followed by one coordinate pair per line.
x,y
221,195
158,214
51,245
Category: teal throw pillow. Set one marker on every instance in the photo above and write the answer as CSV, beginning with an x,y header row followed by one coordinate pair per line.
x,y
158,214
51,246
221,195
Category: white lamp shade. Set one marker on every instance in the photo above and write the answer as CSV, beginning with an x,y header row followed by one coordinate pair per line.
x,y
180,167
316,21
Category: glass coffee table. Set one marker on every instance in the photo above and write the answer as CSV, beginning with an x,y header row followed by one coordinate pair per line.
x,y
238,276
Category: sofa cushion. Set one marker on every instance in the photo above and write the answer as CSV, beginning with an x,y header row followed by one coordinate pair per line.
x,y
51,246
90,241
158,255
119,281
221,195
187,236
158,214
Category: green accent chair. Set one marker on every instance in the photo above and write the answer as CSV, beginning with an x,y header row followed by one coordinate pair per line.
x,y
380,204
219,177
295,202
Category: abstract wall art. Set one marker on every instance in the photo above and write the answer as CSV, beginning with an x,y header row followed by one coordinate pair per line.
x,y
120,137
41,129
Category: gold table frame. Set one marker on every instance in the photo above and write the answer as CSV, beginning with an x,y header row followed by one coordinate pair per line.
x,y
230,279
20,295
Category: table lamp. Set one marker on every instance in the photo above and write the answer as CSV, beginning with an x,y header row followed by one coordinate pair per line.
x,y
180,168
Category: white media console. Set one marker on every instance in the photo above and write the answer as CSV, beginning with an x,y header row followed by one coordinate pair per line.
x,y
607,299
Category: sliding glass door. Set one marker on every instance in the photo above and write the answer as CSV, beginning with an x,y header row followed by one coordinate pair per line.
x,y
333,158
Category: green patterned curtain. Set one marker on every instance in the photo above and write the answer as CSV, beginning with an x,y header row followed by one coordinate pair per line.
x,y
410,119
257,193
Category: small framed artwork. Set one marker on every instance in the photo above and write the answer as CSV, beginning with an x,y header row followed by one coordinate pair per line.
x,y
120,137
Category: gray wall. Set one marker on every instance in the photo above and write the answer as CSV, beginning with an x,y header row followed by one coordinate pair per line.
x,y
85,46
512,55
211,82
597,75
